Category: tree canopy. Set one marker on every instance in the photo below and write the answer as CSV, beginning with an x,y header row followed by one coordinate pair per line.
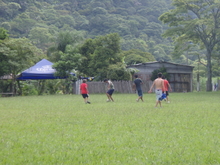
x,y
99,53
76,35
198,22
136,22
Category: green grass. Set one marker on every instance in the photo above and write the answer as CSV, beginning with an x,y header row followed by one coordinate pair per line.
x,y
61,129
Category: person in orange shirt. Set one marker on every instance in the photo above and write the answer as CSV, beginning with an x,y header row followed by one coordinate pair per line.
x,y
166,88
84,91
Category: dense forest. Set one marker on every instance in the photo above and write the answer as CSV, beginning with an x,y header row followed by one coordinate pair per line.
x,y
52,25
136,21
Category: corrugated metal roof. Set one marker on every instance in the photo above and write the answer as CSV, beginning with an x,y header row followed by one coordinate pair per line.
x,y
154,62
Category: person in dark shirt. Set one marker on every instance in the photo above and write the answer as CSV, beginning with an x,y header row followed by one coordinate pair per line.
x,y
137,87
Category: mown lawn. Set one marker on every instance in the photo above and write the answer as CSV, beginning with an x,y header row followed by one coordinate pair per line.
x,y
61,129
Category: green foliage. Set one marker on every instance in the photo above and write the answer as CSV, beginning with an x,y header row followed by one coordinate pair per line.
x,y
44,87
162,70
3,34
195,21
22,24
118,72
5,86
63,40
28,89
216,61
4,67
98,54
65,53
17,55
135,56
53,86
58,86
130,19
69,62
41,37
20,54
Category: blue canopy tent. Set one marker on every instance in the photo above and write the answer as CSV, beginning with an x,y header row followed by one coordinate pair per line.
x,y
41,70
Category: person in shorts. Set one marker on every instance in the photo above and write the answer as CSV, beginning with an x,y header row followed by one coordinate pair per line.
x,y
137,87
110,90
158,84
84,91
166,88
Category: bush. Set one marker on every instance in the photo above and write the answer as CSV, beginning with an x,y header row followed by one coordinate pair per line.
x,y
163,70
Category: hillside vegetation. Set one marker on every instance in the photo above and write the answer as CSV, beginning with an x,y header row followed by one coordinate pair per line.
x,y
136,21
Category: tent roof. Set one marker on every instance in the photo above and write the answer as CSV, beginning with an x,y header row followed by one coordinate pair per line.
x,y
41,70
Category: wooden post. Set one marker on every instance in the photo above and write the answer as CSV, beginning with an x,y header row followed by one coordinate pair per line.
x,y
198,84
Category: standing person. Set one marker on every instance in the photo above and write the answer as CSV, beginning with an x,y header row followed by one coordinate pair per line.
x,y
84,91
110,90
166,88
137,86
159,86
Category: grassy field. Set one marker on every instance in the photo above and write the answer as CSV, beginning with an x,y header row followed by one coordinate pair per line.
x,y
61,129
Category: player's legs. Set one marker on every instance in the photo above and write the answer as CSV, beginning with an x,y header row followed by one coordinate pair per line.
x,y
158,93
86,98
167,98
109,94
140,95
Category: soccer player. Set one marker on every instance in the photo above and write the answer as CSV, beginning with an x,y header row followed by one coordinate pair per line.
x,y
137,86
166,88
159,86
84,91
110,90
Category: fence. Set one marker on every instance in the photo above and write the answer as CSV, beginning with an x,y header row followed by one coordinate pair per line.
x,y
101,87
125,87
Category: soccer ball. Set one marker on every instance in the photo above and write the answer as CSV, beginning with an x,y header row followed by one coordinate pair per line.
x,y
107,100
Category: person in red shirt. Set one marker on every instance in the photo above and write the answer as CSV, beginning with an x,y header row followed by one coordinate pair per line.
x,y
84,91
166,88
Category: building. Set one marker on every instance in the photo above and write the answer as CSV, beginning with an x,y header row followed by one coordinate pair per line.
x,y
181,76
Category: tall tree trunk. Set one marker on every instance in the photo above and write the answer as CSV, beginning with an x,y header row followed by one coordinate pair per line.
x,y
14,91
209,71
20,88
198,83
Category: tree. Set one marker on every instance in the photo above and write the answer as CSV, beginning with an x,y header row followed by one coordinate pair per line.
x,y
69,61
22,24
216,60
3,60
98,54
40,37
131,19
3,34
160,70
135,56
196,21
118,72
65,55
87,50
62,40
18,54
